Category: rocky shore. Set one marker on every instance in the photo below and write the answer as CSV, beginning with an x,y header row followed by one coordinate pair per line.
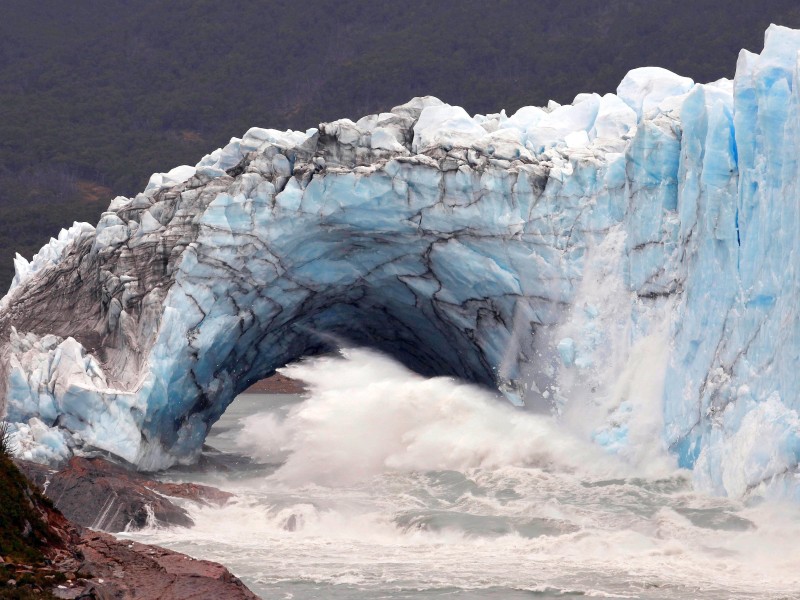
x,y
99,494
276,384
109,568
44,554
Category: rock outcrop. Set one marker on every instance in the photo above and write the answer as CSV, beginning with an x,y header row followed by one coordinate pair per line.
x,y
129,570
44,555
98,494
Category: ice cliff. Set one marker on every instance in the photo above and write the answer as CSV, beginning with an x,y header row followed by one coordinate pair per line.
x,y
631,252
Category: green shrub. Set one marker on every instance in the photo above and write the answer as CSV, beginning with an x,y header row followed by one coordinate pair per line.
x,y
7,446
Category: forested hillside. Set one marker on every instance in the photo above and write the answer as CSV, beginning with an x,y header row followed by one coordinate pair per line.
x,y
97,94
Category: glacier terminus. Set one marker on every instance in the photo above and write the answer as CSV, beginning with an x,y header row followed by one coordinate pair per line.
x,y
629,261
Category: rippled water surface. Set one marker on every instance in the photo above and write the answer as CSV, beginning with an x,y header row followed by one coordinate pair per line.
x,y
495,523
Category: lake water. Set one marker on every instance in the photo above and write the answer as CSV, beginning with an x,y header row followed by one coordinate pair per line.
x,y
431,489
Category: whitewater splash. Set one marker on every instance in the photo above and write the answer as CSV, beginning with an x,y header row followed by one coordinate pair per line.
x,y
384,484
367,415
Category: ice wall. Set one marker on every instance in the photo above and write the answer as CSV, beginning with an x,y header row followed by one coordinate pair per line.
x,y
626,261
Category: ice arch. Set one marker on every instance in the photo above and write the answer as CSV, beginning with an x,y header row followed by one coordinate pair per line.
x,y
650,234
135,336
455,244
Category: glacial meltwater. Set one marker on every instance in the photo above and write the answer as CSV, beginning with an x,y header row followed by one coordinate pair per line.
x,y
379,483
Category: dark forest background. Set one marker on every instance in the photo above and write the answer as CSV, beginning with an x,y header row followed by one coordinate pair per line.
x,y
95,95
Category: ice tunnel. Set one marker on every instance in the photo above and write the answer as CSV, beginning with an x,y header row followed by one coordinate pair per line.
x,y
560,252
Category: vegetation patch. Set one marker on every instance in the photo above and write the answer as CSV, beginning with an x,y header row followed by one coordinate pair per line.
x,y
23,533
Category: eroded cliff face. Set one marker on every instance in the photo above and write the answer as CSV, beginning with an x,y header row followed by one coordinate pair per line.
x,y
559,255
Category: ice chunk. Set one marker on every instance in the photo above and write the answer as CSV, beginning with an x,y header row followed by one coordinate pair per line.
x,y
643,89
553,128
526,118
169,179
614,118
445,125
384,139
566,348
39,443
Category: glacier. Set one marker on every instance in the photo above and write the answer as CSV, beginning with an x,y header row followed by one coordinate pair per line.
x,y
626,253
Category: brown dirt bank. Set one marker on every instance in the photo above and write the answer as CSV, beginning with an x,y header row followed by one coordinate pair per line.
x,y
44,555
277,384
